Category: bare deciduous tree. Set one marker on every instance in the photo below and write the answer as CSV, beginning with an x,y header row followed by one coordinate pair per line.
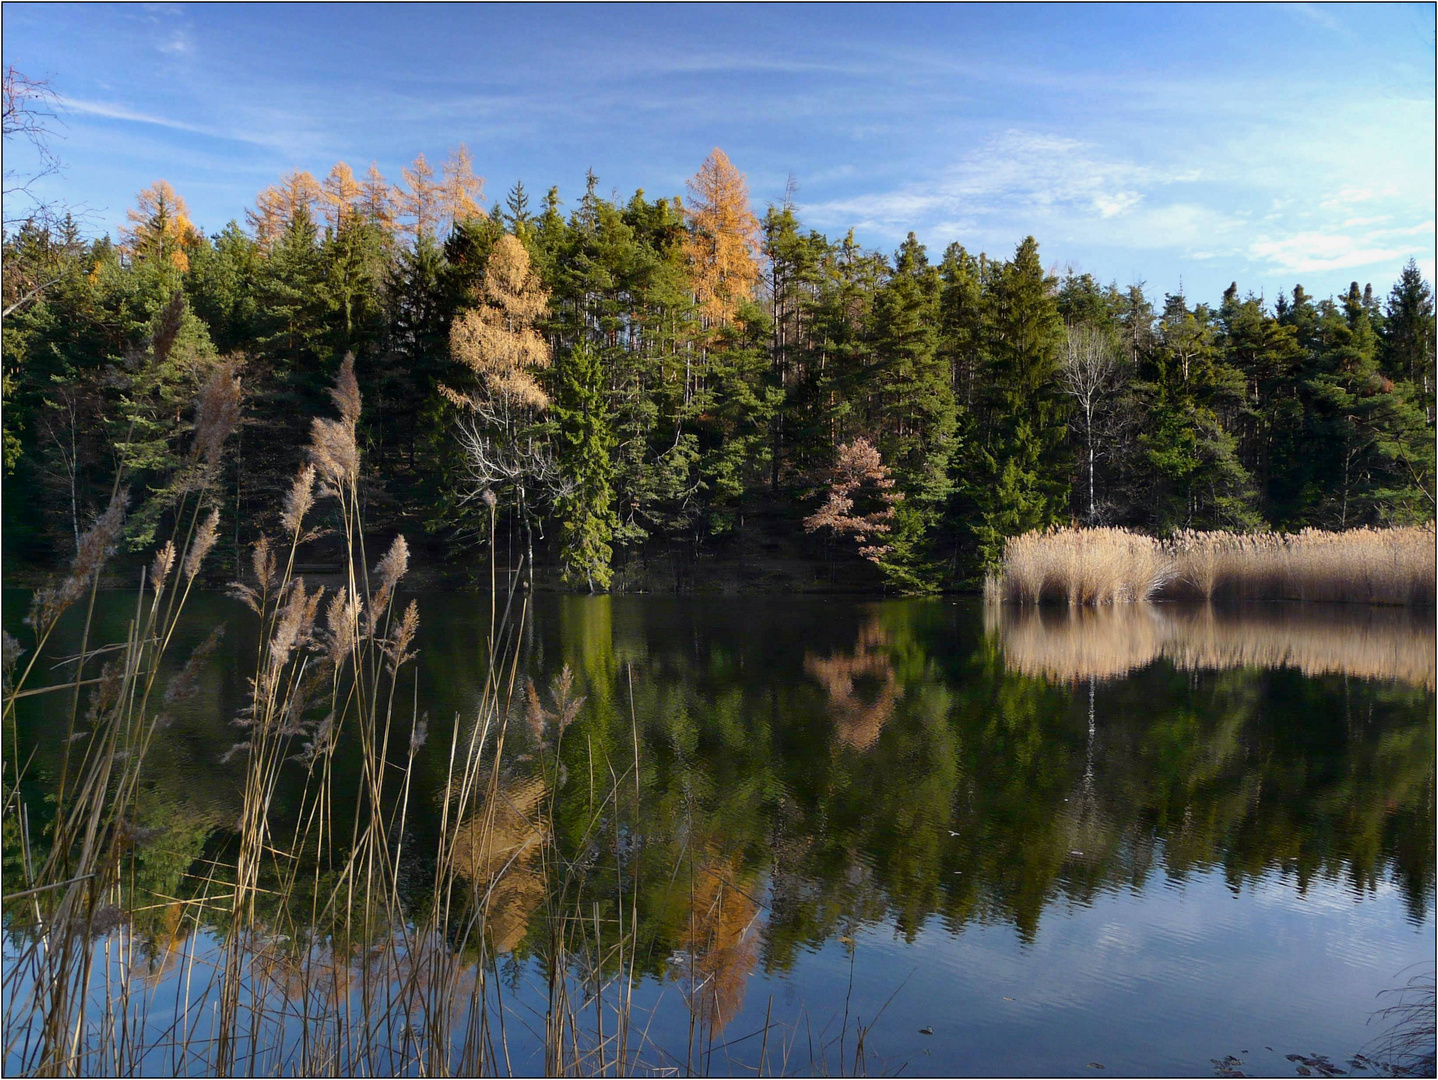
x,y
28,111
1090,372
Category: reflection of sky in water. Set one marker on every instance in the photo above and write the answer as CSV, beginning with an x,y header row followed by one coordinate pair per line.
x,y
1153,981
1159,981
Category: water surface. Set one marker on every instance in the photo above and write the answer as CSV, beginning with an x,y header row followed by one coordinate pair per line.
x,y
1146,838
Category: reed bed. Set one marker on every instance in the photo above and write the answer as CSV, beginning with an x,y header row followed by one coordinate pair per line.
x,y
1082,566
1110,642
308,946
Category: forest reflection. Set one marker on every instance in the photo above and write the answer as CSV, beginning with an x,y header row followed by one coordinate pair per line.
x,y
807,769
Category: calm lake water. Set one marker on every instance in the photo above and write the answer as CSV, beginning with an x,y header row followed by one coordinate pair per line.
x,y
1014,843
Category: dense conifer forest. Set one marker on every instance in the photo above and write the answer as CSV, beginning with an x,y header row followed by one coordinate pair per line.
x,y
653,382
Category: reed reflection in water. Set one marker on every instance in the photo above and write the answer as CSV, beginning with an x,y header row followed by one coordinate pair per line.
x,y
1071,645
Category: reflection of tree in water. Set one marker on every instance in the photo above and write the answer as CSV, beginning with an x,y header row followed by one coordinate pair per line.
x,y
722,939
857,721
498,849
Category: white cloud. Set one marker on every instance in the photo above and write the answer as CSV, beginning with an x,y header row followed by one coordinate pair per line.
x,y
1307,252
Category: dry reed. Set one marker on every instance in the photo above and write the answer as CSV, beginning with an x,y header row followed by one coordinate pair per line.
x,y
1393,566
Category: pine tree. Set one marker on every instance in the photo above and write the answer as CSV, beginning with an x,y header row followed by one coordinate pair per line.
x,y
516,209
1374,450
1191,475
912,410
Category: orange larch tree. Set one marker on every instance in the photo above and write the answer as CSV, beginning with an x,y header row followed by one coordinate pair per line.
x,y
159,226
277,205
341,193
377,198
419,199
723,242
460,190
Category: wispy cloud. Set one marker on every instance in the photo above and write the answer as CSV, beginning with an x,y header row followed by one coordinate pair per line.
x,y
1317,15
1024,174
113,111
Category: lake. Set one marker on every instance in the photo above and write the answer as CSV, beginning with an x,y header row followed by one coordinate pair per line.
x,y
1158,839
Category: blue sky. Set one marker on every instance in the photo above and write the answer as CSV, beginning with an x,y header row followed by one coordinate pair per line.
x,y
1174,145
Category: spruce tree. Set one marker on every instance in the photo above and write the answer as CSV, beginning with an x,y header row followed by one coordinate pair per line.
x,y
911,407
1408,335
585,505
1019,475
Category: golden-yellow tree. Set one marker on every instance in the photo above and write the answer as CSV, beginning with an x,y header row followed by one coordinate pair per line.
x,y
377,198
419,199
496,339
460,190
159,226
341,194
277,205
722,245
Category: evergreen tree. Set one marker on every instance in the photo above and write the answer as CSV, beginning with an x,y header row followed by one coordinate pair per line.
x,y
584,506
1372,448
1192,476
1018,476
912,411
1408,336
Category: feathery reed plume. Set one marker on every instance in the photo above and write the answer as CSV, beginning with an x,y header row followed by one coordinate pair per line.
x,y
298,501
161,566
187,680
1081,566
107,693
562,707
94,549
172,320
396,647
345,392
389,570
341,625
10,653
200,546
217,413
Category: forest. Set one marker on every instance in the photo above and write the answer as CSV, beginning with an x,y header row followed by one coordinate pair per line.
x,y
641,388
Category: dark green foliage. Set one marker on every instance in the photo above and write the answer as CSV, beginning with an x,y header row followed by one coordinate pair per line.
x,y
1017,472
585,507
